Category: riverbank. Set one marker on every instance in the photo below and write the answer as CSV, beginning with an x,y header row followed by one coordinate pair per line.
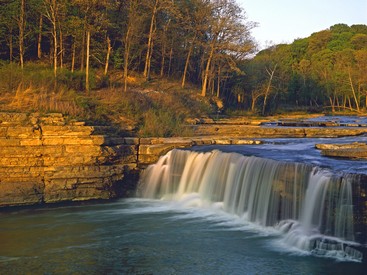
x,y
52,158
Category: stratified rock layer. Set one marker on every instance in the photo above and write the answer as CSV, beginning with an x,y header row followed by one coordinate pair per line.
x,y
47,159
354,150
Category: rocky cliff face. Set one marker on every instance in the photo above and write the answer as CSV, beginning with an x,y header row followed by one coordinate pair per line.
x,y
49,159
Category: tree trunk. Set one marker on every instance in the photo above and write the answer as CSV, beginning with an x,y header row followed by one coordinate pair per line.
x,y
21,32
126,57
353,91
54,35
73,56
332,104
109,48
149,61
39,41
337,103
206,72
164,47
163,59
267,91
87,63
211,86
83,45
61,48
150,42
253,101
350,103
187,61
218,83
170,60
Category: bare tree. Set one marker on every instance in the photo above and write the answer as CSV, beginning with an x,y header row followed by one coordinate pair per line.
x,y
21,23
270,72
39,40
51,15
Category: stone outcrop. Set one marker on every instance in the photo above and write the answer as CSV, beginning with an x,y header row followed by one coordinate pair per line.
x,y
349,150
150,149
49,159
251,131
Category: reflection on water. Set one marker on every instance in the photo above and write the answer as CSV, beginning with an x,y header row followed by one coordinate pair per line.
x,y
134,236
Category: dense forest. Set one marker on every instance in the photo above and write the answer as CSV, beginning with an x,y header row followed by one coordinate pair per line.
x,y
326,71
193,40
81,44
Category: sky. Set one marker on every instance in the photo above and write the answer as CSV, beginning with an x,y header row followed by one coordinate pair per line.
x,y
283,21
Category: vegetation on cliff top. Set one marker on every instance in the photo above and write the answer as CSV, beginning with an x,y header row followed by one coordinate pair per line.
x,y
145,63
158,108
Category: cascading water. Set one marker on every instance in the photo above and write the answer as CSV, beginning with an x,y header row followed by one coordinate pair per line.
x,y
312,208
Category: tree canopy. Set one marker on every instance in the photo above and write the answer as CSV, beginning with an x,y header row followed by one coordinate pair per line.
x,y
194,40
326,70
205,42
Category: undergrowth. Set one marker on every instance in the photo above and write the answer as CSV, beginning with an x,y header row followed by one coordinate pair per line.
x,y
157,108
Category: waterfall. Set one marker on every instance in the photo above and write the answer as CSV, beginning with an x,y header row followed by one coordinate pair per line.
x,y
311,207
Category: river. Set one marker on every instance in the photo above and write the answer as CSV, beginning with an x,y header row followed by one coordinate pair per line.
x,y
137,236
154,236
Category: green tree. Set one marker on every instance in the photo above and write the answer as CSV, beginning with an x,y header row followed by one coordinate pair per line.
x,y
8,25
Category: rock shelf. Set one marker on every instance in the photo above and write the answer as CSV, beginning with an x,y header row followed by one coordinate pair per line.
x,y
51,158
354,150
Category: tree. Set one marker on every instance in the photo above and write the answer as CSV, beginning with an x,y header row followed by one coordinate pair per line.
x,y
8,25
270,71
21,24
227,33
94,20
133,27
155,6
322,68
51,15
195,15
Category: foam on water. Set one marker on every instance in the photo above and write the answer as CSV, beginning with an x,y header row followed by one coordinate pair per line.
x,y
308,207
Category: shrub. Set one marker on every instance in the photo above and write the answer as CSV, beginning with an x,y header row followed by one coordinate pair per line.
x,y
72,80
160,123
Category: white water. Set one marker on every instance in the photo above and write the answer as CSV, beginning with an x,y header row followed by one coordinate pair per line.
x,y
309,206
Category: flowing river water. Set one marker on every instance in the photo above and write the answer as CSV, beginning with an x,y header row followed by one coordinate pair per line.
x,y
197,229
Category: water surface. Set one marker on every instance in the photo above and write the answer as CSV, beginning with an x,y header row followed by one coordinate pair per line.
x,y
136,236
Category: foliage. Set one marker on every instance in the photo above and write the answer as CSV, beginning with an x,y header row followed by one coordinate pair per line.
x,y
101,60
324,71
154,37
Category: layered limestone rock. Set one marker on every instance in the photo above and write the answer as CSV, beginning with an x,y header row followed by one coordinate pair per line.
x,y
151,149
349,150
50,159
251,131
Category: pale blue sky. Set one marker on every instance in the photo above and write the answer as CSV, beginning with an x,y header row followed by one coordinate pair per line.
x,y
282,21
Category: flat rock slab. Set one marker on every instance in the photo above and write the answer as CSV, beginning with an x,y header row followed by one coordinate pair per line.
x,y
354,150
248,131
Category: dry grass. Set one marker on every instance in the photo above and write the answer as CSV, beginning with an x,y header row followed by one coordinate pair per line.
x,y
155,108
42,100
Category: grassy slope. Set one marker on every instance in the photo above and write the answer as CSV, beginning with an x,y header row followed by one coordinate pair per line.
x,y
156,108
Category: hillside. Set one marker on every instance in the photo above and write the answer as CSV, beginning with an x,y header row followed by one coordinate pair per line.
x,y
159,107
